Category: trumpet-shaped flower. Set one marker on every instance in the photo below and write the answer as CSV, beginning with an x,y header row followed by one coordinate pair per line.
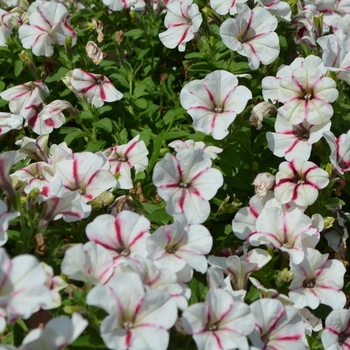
x,y
299,181
90,263
340,151
278,8
317,280
336,334
22,287
252,35
211,151
9,122
124,235
276,326
95,87
214,102
186,182
5,217
5,26
223,7
263,182
219,323
35,149
182,21
25,95
48,25
290,231
123,157
137,319
87,173
292,141
57,334
174,246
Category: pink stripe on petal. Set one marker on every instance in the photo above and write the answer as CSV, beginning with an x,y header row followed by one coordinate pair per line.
x,y
140,235
128,338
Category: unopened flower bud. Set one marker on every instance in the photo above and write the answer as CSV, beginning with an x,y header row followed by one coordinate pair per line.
x,y
259,112
263,182
29,63
104,199
285,275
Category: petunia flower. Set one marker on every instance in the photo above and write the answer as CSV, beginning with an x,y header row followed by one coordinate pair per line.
x,y
299,181
214,102
340,151
124,235
57,334
137,319
5,218
95,87
10,122
186,182
259,112
35,149
223,7
173,246
211,151
48,25
252,35
292,141
336,334
317,279
280,9
22,288
263,182
94,52
219,323
6,26
24,95
182,21
124,157
277,326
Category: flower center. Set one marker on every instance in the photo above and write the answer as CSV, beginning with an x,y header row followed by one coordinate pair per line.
x,y
183,185
125,252
214,327
308,96
128,325
218,109
39,177
300,182
343,337
121,159
309,282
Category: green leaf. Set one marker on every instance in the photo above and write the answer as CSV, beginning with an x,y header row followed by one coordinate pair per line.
x,y
157,145
104,109
173,113
62,71
134,33
74,135
104,124
140,91
5,52
179,134
159,215
141,103
95,146
2,86
150,208
18,67
92,340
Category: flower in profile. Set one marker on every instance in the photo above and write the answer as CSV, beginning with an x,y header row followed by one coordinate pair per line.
x,y
95,87
137,318
57,334
10,122
182,21
214,102
186,182
223,7
48,25
124,157
252,35
299,181
277,326
5,218
317,279
259,112
336,334
211,151
219,323
22,288
340,151
5,26
25,95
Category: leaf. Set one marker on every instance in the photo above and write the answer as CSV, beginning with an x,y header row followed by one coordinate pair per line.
x,y
140,91
134,33
179,134
5,52
57,76
95,146
104,109
74,135
104,124
2,86
18,67
150,208
92,340
159,215
172,113
141,103
157,145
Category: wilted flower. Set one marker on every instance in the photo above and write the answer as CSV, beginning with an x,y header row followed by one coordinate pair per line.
x,y
94,52
263,182
259,112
